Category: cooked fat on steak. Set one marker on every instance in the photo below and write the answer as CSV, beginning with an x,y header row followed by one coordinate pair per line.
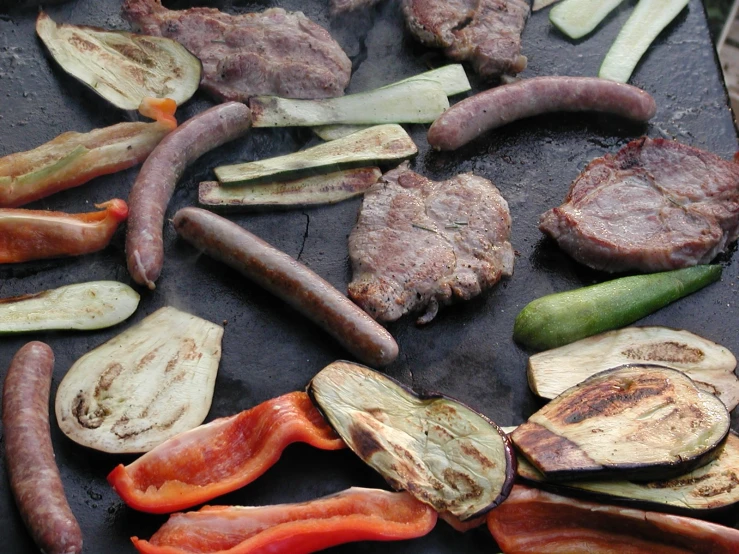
x,y
272,52
487,33
655,205
419,243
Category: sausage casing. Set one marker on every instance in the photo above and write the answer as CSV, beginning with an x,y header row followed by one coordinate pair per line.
x,y
472,117
289,280
34,476
159,175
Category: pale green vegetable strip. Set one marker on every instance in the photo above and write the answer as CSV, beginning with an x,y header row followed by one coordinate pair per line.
x,y
540,4
372,146
577,18
452,78
412,102
648,20
82,306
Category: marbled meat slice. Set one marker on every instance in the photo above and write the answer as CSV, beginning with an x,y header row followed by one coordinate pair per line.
x,y
344,6
420,243
487,33
272,52
655,205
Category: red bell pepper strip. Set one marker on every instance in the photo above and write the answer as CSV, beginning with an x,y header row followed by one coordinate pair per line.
x,y
35,234
353,515
531,520
220,456
72,159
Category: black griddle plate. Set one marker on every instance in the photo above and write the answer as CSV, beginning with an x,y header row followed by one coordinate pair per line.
x,y
268,350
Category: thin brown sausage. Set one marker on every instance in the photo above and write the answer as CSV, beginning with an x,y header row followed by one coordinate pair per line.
x,y
493,108
34,476
289,280
159,175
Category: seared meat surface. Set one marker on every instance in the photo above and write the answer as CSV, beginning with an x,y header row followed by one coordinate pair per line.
x,y
419,243
273,52
655,205
343,6
487,33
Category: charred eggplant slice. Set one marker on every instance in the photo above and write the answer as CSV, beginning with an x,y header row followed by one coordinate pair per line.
x,y
713,487
633,422
439,450
710,365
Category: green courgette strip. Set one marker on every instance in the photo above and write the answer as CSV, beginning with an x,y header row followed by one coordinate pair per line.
x,y
647,21
562,318
577,18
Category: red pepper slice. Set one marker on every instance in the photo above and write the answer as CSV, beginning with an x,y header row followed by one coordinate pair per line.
x,y
531,520
35,234
221,456
72,159
353,515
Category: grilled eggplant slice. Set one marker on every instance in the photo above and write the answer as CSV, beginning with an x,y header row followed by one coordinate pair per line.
x,y
146,385
124,68
710,365
439,450
713,487
633,422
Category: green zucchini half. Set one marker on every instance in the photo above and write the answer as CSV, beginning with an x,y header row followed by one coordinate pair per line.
x,y
376,145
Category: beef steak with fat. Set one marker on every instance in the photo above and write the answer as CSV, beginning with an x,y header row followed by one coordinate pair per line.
x,y
487,33
420,243
272,52
655,205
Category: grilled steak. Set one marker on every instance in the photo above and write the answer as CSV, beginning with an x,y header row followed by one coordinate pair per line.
x,y
420,243
487,33
653,206
272,52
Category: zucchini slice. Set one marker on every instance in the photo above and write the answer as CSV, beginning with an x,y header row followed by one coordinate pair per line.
x,y
439,450
712,487
452,78
541,4
411,102
378,144
632,422
82,306
577,18
709,365
144,386
124,68
309,191
647,21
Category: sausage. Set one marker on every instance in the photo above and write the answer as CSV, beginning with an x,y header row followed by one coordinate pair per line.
x,y
34,476
289,280
159,175
493,108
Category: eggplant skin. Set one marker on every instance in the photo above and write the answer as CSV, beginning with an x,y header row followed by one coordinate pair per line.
x,y
705,491
437,448
633,422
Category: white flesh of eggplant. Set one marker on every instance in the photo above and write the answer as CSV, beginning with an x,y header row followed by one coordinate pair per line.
x,y
631,422
709,365
712,487
452,79
411,102
375,145
124,68
144,386
439,450
82,306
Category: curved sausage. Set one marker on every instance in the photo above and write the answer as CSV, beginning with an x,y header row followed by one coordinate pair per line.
x,y
34,476
159,175
493,108
289,280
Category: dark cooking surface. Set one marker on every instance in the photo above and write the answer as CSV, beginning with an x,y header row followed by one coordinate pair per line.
x,y
467,352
